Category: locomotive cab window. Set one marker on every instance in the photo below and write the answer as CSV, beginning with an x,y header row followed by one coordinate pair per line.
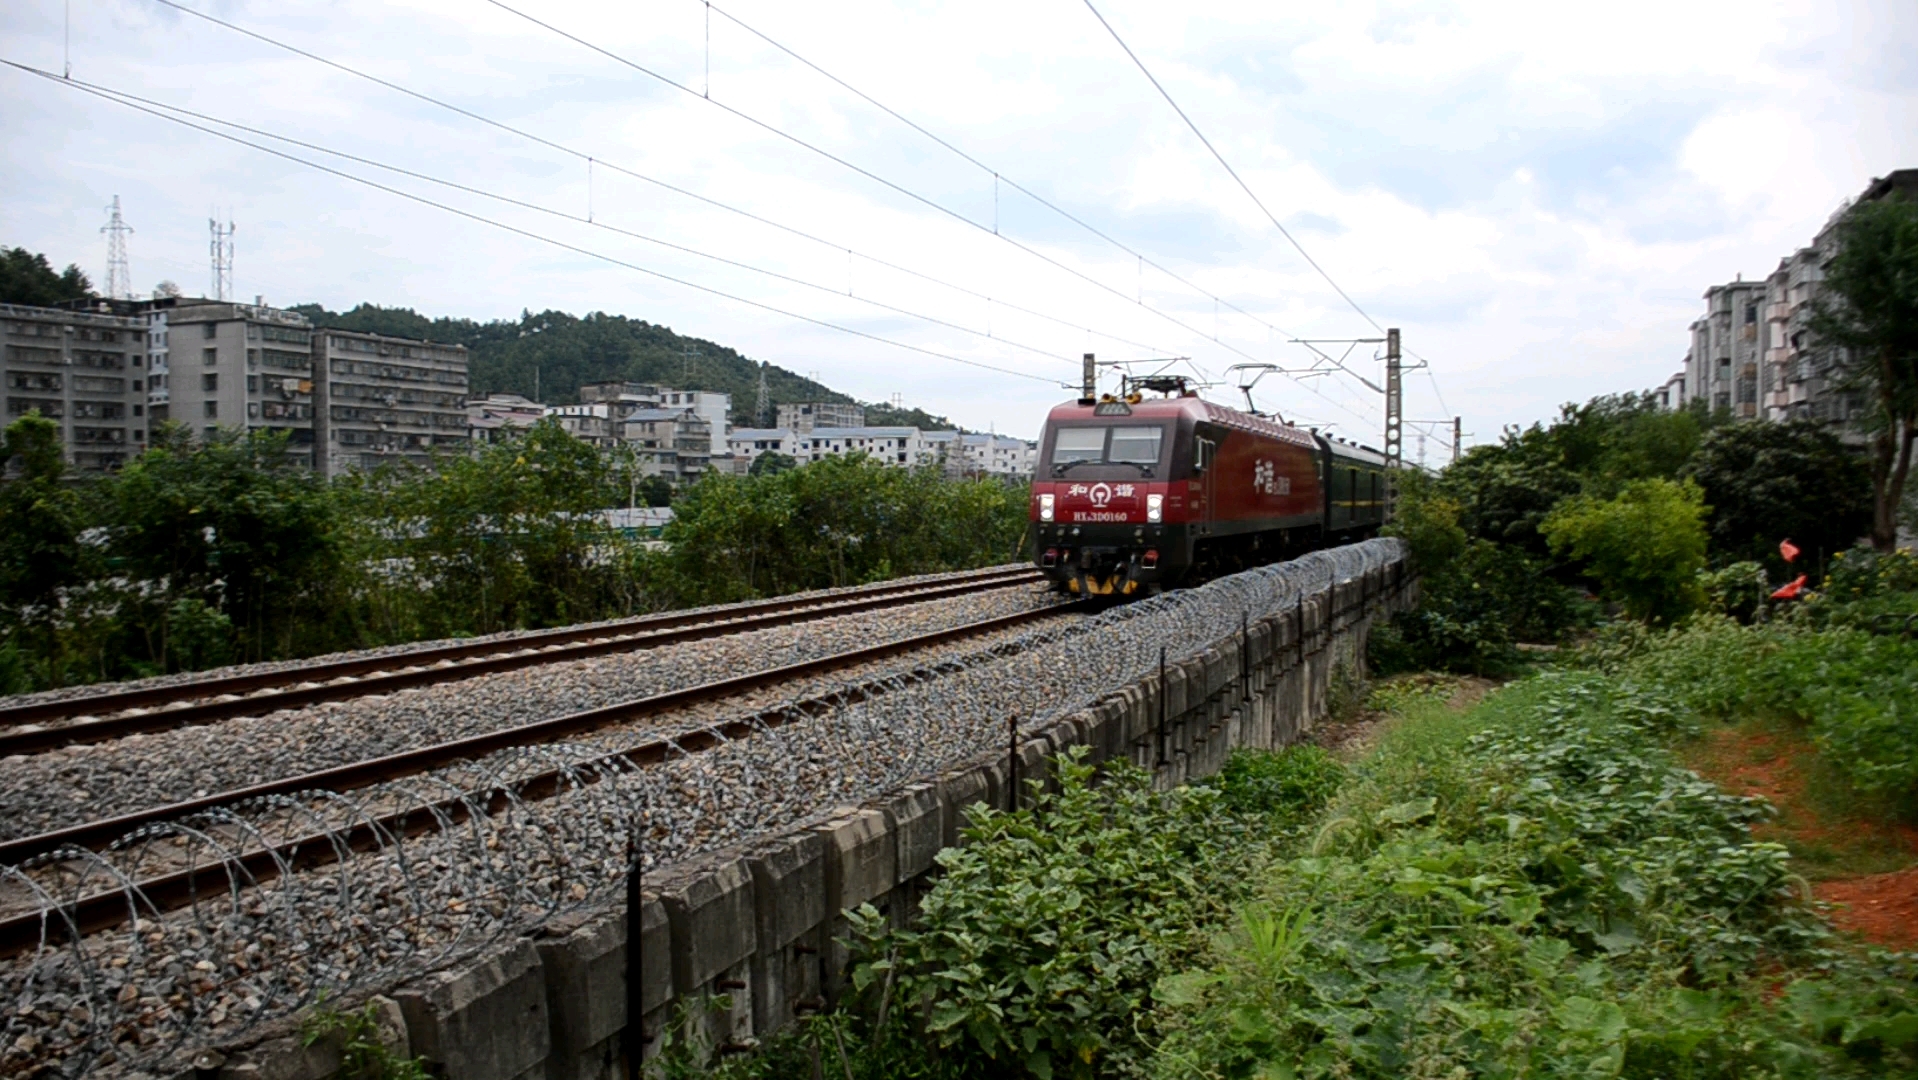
x,y
1135,445
1072,445
1139,446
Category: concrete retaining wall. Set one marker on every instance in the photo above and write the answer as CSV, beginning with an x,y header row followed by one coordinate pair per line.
x,y
757,925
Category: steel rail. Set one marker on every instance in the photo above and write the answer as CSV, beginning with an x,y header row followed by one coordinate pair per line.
x,y
212,700
165,892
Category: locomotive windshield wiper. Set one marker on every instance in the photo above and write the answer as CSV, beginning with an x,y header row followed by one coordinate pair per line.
x,y
1059,467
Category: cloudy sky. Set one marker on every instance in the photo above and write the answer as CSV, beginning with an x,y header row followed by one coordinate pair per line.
x,y
1536,193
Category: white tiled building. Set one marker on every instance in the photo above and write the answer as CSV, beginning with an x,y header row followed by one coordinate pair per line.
x,y
905,447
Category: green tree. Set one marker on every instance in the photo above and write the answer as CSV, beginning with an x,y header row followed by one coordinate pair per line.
x,y
839,521
230,523
1869,309
41,556
510,537
1644,547
1768,482
28,278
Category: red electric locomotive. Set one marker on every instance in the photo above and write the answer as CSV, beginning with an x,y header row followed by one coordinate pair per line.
x,y
1133,494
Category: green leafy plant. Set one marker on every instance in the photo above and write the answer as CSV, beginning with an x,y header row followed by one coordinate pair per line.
x,y
1534,889
1644,547
363,1055
1040,945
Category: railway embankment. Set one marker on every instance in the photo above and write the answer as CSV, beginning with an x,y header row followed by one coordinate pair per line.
x,y
739,912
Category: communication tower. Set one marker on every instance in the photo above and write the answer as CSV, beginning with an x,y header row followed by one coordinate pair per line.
x,y
760,413
119,278
222,251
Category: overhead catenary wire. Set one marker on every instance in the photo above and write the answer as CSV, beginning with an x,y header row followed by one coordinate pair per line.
x,y
601,162
1243,186
998,177
930,203
587,220
516,230
876,178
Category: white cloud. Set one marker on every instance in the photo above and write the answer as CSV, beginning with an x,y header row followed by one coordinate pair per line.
x,y
1537,193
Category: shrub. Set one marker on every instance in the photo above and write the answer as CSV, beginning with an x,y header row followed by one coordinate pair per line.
x,y
1547,895
1644,547
1039,945
1289,785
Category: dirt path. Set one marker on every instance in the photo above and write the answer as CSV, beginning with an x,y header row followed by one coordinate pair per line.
x,y
1864,867
1349,738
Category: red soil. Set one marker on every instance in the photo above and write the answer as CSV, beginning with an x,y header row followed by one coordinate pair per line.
x,y
1881,908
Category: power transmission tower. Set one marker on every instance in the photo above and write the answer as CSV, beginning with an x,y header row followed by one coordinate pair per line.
x,y
765,397
119,278
222,251
692,351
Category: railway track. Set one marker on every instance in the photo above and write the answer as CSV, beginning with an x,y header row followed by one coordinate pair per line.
x,y
168,890
34,727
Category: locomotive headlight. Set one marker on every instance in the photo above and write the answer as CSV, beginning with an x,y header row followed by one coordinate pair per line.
x,y
1045,507
1155,507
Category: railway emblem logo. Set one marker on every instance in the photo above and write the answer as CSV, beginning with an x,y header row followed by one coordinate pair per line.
x,y
1101,495
1265,478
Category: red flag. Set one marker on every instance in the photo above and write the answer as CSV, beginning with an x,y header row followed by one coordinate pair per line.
x,y
1791,589
1788,549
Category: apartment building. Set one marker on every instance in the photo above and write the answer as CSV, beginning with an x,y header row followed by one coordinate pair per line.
x,y
1724,367
958,454
84,370
629,397
243,366
997,455
384,400
803,417
1753,352
674,443
495,416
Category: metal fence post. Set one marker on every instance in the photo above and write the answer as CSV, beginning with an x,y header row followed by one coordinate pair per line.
x,y
1162,757
1012,765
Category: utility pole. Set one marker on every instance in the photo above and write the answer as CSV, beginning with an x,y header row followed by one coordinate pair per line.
x,y
1090,394
1394,422
222,250
119,278
1457,439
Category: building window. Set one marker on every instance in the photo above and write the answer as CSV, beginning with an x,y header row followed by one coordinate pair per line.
x,y
210,382
136,384
252,384
209,357
139,410
212,331
253,410
212,410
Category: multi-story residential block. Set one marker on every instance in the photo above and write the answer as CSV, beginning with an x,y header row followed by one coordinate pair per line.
x,y
748,444
1672,395
84,370
803,417
904,446
1727,348
1753,353
593,423
493,417
381,399
997,455
674,443
958,454
243,366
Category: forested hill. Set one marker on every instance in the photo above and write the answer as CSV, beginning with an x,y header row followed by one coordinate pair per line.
x,y
568,351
